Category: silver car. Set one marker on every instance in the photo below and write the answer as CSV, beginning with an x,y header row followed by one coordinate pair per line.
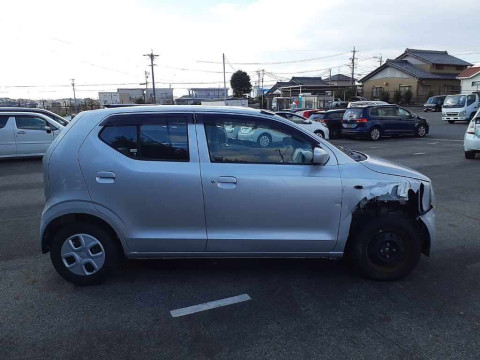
x,y
159,182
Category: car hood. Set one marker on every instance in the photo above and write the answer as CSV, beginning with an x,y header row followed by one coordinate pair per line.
x,y
386,167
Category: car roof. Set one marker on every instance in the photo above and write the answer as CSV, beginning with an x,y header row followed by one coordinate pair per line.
x,y
360,106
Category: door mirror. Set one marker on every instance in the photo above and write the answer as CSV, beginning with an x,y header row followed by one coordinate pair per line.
x,y
320,156
308,122
48,129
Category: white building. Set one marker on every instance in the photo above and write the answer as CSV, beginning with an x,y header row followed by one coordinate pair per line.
x,y
208,93
470,79
108,98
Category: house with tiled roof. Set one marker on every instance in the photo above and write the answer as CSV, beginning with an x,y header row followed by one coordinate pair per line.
x,y
423,72
470,79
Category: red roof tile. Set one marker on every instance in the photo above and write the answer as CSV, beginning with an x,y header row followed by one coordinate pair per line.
x,y
468,73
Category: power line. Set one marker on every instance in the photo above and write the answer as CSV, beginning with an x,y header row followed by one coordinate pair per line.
x,y
276,62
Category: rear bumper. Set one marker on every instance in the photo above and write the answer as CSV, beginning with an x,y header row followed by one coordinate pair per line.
x,y
355,132
471,142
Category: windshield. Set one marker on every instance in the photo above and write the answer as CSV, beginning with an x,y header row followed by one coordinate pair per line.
x,y
432,100
455,101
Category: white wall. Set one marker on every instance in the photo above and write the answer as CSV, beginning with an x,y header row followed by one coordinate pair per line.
x,y
108,98
467,86
390,72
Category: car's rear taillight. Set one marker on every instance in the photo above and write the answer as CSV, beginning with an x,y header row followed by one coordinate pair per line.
x,y
471,127
361,120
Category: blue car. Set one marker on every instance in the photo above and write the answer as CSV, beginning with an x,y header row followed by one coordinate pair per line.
x,y
376,121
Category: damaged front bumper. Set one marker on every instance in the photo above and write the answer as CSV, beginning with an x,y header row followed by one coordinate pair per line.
x,y
428,220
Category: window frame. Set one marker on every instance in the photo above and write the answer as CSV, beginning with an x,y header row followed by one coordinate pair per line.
x,y
202,118
138,120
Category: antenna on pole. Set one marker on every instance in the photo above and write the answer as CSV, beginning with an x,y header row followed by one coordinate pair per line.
x,y
74,96
152,57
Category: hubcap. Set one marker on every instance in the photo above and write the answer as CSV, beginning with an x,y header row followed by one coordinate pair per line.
x,y
82,254
421,131
386,249
375,134
319,133
264,141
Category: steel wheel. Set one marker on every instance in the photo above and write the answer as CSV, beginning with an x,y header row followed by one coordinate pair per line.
x,y
82,254
320,133
386,249
421,131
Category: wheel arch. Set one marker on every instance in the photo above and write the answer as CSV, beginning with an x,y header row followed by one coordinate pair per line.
x,y
60,221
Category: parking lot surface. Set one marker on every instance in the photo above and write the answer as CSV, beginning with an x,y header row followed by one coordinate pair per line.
x,y
298,308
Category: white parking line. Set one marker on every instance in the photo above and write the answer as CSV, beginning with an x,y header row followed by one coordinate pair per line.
x,y
446,139
210,305
433,143
419,153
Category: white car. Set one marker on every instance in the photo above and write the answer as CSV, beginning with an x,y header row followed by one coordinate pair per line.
x,y
366,103
24,134
316,127
471,142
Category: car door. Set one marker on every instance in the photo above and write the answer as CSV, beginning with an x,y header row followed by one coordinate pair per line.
x,y
266,200
33,134
386,116
7,136
143,170
472,105
406,121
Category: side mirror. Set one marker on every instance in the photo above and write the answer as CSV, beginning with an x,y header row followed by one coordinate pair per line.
x,y
320,156
308,122
48,129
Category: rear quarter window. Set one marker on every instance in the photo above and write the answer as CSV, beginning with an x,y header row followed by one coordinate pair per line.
x,y
353,114
3,120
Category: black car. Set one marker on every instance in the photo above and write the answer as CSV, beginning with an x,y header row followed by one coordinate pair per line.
x,y
331,119
374,122
434,103
57,118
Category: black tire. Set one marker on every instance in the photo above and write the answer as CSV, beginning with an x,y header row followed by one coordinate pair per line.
x,y
111,253
320,133
421,131
335,133
386,236
451,121
375,134
469,155
261,141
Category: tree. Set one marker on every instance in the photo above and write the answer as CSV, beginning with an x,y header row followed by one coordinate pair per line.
x,y
385,96
397,97
240,82
407,97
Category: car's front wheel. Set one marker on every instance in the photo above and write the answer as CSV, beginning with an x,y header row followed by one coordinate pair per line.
x,y
375,134
83,253
264,140
385,248
469,155
421,130
320,133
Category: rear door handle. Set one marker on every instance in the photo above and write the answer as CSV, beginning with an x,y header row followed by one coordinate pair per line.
x,y
21,132
105,177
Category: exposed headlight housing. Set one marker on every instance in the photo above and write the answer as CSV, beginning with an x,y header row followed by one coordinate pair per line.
x,y
462,113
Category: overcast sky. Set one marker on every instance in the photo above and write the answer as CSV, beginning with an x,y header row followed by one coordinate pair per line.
x,y
101,43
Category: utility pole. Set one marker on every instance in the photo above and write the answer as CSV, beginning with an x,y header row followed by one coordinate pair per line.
x,y
74,96
353,68
258,83
263,74
152,57
146,86
380,59
224,81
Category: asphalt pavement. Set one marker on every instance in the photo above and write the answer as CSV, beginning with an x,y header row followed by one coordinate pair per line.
x,y
298,308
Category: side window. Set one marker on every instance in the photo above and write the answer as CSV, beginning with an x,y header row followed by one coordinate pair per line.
x,y
3,120
374,112
121,138
249,140
26,122
403,113
470,99
148,137
387,112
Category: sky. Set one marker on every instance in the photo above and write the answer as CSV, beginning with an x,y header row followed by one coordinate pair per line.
x,y
101,43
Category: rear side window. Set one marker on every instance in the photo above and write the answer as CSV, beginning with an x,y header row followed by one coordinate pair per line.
x,y
3,120
151,137
353,114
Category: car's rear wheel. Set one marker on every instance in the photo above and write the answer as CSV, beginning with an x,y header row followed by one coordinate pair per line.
x,y
421,130
451,121
83,253
385,248
319,133
375,134
469,155
264,140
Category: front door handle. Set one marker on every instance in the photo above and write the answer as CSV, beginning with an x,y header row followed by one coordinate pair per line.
x,y
105,177
226,182
21,132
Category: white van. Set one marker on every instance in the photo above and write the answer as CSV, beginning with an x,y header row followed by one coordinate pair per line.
x,y
460,107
